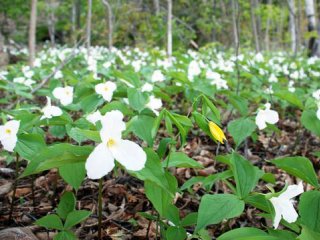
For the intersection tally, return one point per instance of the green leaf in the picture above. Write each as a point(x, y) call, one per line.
point(241, 233)
point(154, 172)
point(66, 205)
point(212, 107)
point(308, 234)
point(190, 219)
point(245, 175)
point(311, 122)
point(300, 167)
point(137, 99)
point(160, 198)
point(91, 102)
point(309, 210)
point(142, 126)
point(116, 105)
point(239, 103)
point(215, 208)
point(240, 129)
point(65, 235)
point(29, 145)
point(57, 131)
point(259, 201)
point(202, 123)
point(180, 159)
point(182, 130)
point(76, 217)
point(81, 135)
point(290, 97)
point(51, 221)
point(56, 156)
point(176, 233)
point(73, 174)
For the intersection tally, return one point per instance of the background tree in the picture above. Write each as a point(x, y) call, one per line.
point(32, 32)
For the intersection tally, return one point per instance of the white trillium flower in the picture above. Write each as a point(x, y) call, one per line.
point(154, 104)
point(266, 116)
point(64, 94)
point(316, 94)
point(147, 87)
point(193, 70)
point(106, 90)
point(101, 161)
point(8, 134)
point(50, 111)
point(94, 117)
point(283, 205)
point(157, 76)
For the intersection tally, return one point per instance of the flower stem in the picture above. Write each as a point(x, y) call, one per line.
point(100, 209)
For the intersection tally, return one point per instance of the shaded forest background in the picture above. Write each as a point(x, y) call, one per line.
point(263, 25)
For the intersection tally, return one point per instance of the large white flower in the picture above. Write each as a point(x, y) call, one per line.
point(266, 116)
point(157, 76)
point(8, 134)
point(50, 111)
point(64, 94)
point(283, 205)
point(101, 161)
point(154, 104)
point(106, 90)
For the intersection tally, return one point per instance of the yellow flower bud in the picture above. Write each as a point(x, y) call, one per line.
point(217, 132)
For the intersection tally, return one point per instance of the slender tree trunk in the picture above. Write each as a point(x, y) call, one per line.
point(73, 22)
point(292, 25)
point(254, 25)
point(51, 20)
point(110, 24)
point(156, 5)
point(235, 12)
point(267, 36)
point(88, 32)
point(310, 13)
point(32, 32)
point(169, 31)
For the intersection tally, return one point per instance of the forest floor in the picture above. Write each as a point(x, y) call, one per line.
point(123, 195)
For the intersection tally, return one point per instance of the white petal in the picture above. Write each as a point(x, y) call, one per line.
point(13, 125)
point(9, 143)
point(289, 213)
point(55, 111)
point(57, 92)
point(318, 113)
point(94, 117)
point(129, 154)
point(260, 120)
point(278, 211)
point(271, 116)
point(112, 125)
point(292, 191)
point(100, 162)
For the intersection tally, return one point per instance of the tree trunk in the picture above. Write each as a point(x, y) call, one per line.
point(51, 6)
point(156, 5)
point(267, 36)
point(32, 32)
point(254, 25)
point(88, 32)
point(235, 11)
point(169, 31)
point(110, 25)
point(292, 25)
point(310, 13)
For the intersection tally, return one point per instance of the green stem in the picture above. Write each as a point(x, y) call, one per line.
point(100, 209)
